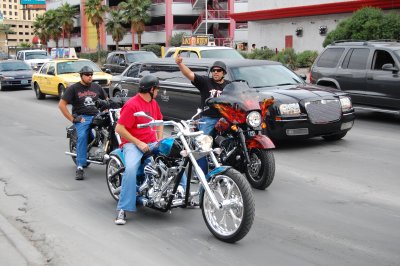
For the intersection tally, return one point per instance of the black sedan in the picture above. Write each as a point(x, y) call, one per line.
point(300, 110)
point(14, 74)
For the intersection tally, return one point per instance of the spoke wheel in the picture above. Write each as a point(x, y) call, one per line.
point(114, 183)
point(261, 171)
point(234, 220)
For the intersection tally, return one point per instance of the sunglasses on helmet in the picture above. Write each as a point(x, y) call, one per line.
point(87, 74)
point(216, 70)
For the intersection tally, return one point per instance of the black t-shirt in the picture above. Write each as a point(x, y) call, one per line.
point(83, 98)
point(208, 89)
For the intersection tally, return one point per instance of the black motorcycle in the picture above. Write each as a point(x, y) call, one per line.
point(239, 133)
point(102, 137)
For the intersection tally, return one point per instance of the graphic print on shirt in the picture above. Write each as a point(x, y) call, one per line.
point(88, 101)
point(215, 93)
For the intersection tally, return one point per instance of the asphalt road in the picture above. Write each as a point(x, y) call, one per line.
point(331, 203)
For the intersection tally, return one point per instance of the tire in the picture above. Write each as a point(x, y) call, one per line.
point(39, 94)
point(261, 172)
point(113, 165)
point(61, 91)
point(334, 137)
point(72, 147)
point(233, 222)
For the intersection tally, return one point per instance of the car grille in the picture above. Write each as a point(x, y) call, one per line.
point(323, 111)
point(101, 82)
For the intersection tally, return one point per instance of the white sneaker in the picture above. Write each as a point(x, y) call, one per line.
point(180, 192)
point(121, 218)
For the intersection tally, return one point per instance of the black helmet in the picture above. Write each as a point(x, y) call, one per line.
point(219, 64)
point(148, 82)
point(86, 69)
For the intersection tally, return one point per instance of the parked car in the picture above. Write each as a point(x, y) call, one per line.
point(367, 70)
point(34, 58)
point(14, 74)
point(299, 111)
point(117, 61)
point(54, 77)
point(204, 52)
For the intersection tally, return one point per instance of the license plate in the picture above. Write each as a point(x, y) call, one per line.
point(24, 81)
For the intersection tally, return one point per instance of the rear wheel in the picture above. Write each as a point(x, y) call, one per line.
point(114, 181)
point(39, 94)
point(61, 91)
point(261, 171)
point(233, 221)
point(335, 136)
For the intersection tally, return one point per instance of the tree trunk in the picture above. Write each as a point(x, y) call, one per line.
point(133, 37)
point(98, 42)
point(139, 37)
point(117, 46)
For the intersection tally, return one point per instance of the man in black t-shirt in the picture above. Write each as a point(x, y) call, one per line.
point(209, 88)
point(82, 96)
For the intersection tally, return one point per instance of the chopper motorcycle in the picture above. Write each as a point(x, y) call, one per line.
point(224, 195)
point(238, 133)
point(102, 138)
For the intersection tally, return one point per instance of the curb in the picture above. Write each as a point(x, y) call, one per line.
point(21, 244)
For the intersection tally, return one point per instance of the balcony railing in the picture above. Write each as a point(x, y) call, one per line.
point(212, 14)
point(161, 27)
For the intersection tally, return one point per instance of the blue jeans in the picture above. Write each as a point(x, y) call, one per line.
point(82, 131)
point(133, 156)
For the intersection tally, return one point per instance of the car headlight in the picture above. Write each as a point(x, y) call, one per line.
point(6, 78)
point(346, 104)
point(34, 65)
point(253, 119)
point(289, 109)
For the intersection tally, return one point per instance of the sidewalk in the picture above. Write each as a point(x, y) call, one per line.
point(15, 249)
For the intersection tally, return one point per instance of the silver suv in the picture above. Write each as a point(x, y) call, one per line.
point(367, 70)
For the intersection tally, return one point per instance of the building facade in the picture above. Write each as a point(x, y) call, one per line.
point(20, 17)
point(302, 25)
point(168, 17)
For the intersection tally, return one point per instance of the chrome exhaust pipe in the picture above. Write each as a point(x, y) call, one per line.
point(89, 161)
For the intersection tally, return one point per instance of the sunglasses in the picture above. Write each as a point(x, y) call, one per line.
point(88, 74)
point(216, 70)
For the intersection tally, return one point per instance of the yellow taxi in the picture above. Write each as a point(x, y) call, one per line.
point(204, 52)
point(55, 76)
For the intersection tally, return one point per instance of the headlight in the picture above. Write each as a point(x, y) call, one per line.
point(253, 119)
point(346, 104)
point(289, 109)
point(34, 65)
point(6, 78)
point(118, 113)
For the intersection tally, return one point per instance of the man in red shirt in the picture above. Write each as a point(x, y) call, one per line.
point(136, 141)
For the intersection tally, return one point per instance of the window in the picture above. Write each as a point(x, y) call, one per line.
point(115, 59)
point(193, 55)
point(381, 57)
point(170, 73)
point(44, 68)
point(133, 71)
point(356, 58)
point(330, 57)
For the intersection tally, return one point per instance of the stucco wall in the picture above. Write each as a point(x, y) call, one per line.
point(273, 4)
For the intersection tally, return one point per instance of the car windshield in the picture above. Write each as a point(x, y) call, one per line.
point(397, 52)
point(36, 55)
point(13, 66)
point(75, 66)
point(265, 76)
point(221, 53)
point(140, 56)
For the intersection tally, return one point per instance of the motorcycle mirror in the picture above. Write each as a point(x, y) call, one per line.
point(143, 114)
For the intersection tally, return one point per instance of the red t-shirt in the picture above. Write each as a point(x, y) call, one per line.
point(127, 119)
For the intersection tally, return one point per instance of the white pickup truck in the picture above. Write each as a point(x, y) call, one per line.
point(34, 58)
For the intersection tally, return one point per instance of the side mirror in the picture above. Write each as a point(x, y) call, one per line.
point(303, 76)
point(390, 67)
point(50, 72)
point(107, 70)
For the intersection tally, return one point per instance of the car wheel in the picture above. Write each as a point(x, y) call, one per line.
point(61, 91)
point(39, 94)
point(335, 136)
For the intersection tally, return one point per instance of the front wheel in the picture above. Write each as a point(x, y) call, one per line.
point(114, 180)
point(233, 220)
point(39, 94)
point(261, 171)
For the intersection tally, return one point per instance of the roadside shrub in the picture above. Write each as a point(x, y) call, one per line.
point(261, 54)
point(176, 40)
point(288, 57)
point(155, 48)
point(306, 58)
point(93, 56)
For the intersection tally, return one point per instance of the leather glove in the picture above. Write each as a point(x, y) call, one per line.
point(77, 119)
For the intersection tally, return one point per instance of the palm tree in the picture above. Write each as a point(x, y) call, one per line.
point(95, 11)
point(115, 27)
point(136, 13)
point(6, 29)
point(40, 30)
point(52, 20)
point(68, 14)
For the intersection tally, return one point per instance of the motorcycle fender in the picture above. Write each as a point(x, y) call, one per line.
point(118, 152)
point(217, 171)
point(260, 141)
